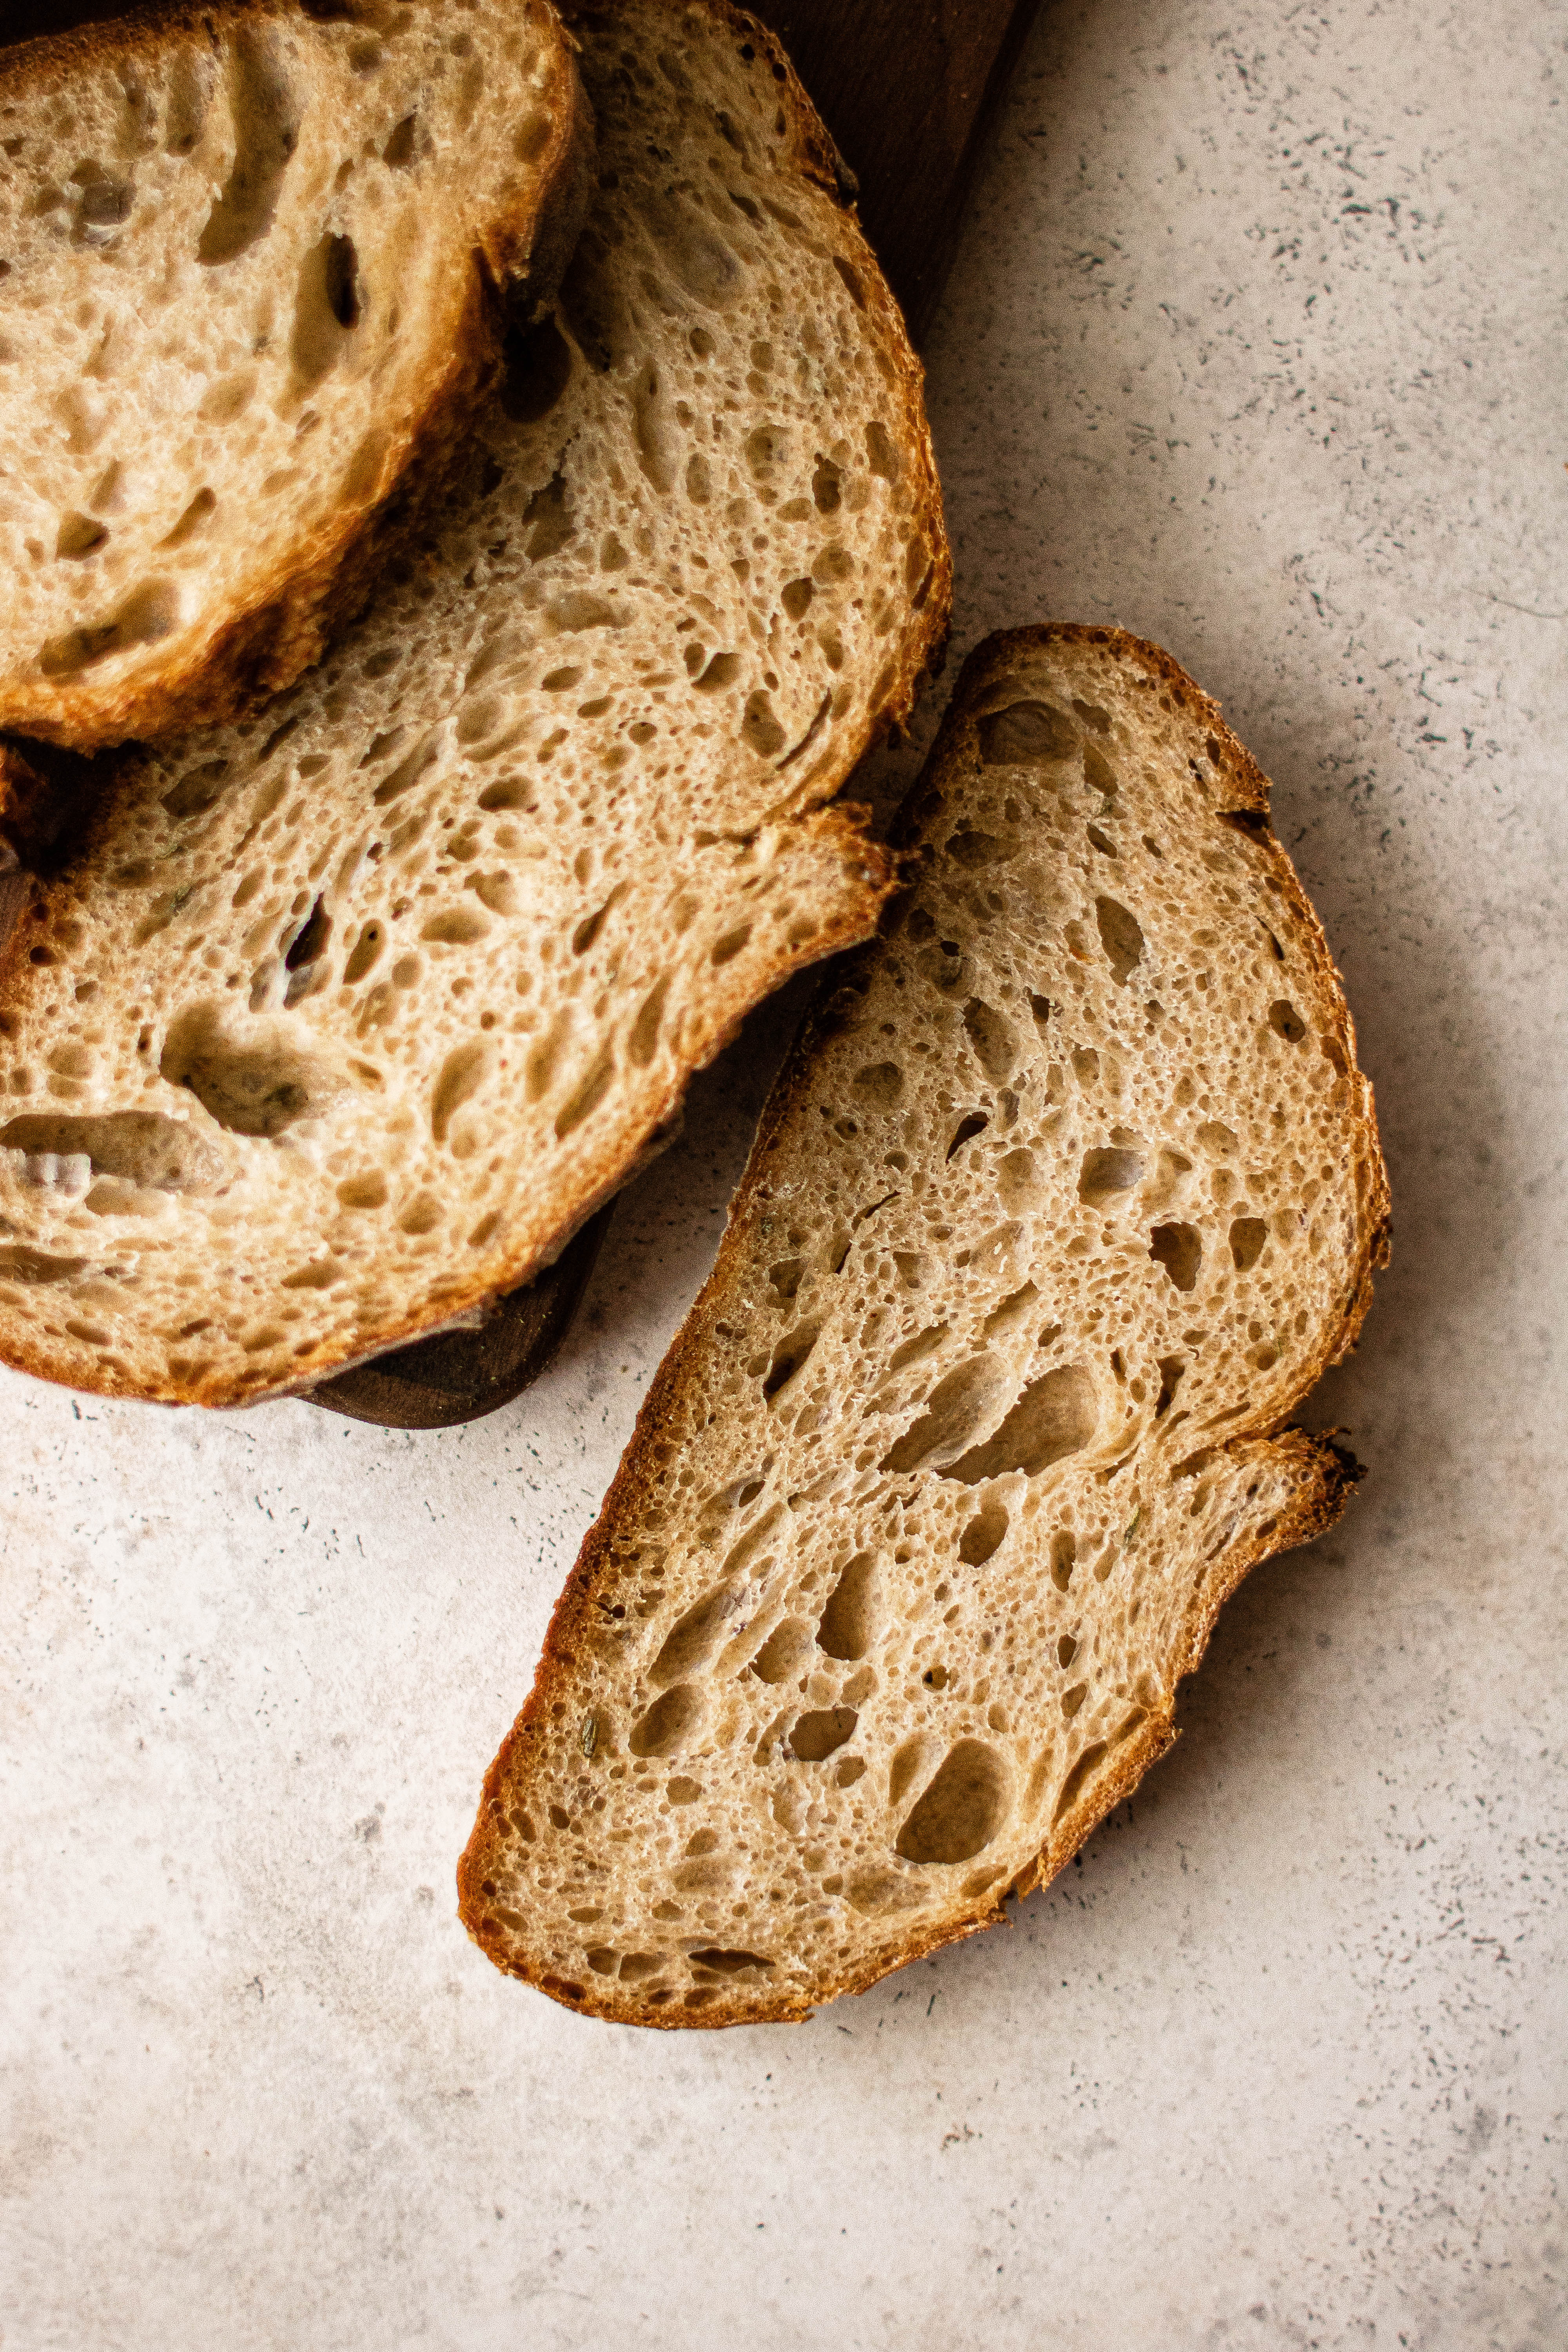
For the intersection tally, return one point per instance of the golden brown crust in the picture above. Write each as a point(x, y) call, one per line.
point(290, 618)
point(1323, 1474)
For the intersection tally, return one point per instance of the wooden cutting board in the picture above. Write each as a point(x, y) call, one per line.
point(907, 88)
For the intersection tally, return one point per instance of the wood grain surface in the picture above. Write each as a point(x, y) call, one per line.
point(907, 88)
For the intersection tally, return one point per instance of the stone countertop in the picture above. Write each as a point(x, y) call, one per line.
point(1254, 345)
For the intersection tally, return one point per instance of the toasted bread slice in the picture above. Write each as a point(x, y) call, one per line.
point(251, 260)
point(1068, 1192)
point(343, 1019)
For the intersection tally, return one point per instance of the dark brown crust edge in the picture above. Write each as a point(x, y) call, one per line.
point(291, 616)
point(922, 657)
point(1326, 1473)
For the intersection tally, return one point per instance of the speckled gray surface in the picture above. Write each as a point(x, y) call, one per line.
point(1256, 345)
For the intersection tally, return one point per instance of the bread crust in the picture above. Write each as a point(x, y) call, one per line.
point(291, 614)
point(1323, 1474)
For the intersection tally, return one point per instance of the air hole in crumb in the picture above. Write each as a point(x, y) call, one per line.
point(881, 451)
point(462, 1074)
point(786, 1277)
point(644, 1038)
point(974, 1123)
point(589, 1093)
point(780, 1656)
point(1025, 732)
point(725, 949)
point(845, 1630)
point(984, 1534)
point(693, 1638)
point(265, 132)
point(196, 792)
point(79, 535)
point(760, 729)
point(538, 363)
point(722, 671)
point(1010, 1311)
point(1064, 1555)
point(145, 617)
point(364, 953)
point(788, 1356)
point(821, 1732)
point(548, 521)
point(1105, 1173)
point(662, 1727)
point(310, 939)
point(143, 1148)
point(256, 1085)
point(326, 308)
point(957, 1405)
point(1120, 936)
point(1171, 1371)
point(914, 1351)
point(995, 1046)
point(1286, 1022)
point(1179, 1249)
point(365, 1191)
point(1248, 1235)
point(1072, 1787)
point(972, 850)
point(1055, 1416)
point(851, 276)
point(962, 1809)
point(588, 929)
point(191, 521)
point(456, 927)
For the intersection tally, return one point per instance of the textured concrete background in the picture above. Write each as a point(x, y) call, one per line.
point(1257, 346)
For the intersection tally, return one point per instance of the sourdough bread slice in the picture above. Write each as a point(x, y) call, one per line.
point(1066, 1195)
point(345, 1018)
point(251, 254)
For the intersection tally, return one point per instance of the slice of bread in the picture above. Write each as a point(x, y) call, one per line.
point(251, 254)
point(1068, 1192)
point(342, 1020)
